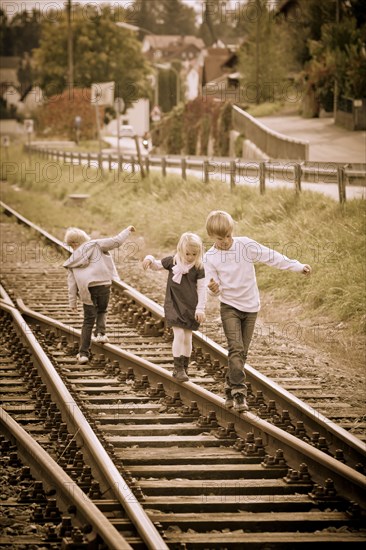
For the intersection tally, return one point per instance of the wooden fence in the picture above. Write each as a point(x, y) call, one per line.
point(233, 171)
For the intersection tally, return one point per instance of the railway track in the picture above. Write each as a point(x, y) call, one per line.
point(208, 477)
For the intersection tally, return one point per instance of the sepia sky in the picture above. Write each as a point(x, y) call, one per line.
point(12, 7)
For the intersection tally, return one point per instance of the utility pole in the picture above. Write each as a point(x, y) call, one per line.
point(257, 58)
point(335, 89)
point(70, 71)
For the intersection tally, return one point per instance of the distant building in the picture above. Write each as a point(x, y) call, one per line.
point(31, 100)
point(11, 96)
point(189, 51)
point(220, 78)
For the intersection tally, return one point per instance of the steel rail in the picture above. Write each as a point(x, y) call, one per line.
point(314, 419)
point(273, 390)
point(113, 480)
point(44, 468)
point(348, 481)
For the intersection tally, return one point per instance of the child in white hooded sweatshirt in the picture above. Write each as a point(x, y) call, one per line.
point(91, 270)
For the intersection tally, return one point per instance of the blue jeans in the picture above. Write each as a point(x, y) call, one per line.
point(96, 312)
point(238, 328)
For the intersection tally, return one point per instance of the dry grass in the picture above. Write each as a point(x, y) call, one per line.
point(310, 228)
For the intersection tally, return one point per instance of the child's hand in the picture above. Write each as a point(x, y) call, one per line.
point(200, 317)
point(74, 309)
point(306, 269)
point(146, 263)
point(131, 228)
point(214, 287)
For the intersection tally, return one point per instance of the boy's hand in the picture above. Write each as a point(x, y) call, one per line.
point(306, 269)
point(74, 309)
point(214, 287)
point(200, 317)
point(131, 228)
point(146, 263)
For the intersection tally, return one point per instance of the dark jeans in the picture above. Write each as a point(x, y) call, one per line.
point(96, 312)
point(238, 328)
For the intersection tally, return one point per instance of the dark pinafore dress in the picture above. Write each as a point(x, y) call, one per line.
point(181, 298)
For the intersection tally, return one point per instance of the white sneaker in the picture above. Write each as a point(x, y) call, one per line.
point(102, 338)
point(82, 359)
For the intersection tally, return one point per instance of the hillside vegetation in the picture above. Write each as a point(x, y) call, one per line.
point(310, 227)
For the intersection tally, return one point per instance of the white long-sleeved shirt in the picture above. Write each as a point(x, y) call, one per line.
point(234, 271)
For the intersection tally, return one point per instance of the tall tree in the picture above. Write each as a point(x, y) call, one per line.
point(102, 52)
point(222, 20)
point(263, 56)
point(26, 30)
point(163, 16)
point(328, 40)
point(20, 34)
point(6, 36)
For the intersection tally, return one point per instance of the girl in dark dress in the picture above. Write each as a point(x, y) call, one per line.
point(185, 297)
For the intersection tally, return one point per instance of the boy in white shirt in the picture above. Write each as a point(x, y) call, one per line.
point(230, 275)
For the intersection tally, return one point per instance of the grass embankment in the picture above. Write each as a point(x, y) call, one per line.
point(310, 228)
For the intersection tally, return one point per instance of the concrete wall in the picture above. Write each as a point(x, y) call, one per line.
point(271, 143)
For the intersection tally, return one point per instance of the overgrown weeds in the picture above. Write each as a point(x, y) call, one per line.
point(309, 227)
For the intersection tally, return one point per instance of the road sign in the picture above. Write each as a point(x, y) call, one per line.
point(155, 113)
point(102, 93)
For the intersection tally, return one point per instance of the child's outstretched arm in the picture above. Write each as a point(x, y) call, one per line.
point(201, 293)
point(114, 242)
point(150, 262)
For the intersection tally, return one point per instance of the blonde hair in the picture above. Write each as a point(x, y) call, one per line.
point(190, 240)
point(74, 235)
point(219, 223)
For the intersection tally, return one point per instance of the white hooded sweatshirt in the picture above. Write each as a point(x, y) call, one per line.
point(91, 264)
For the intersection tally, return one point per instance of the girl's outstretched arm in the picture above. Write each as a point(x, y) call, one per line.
point(150, 262)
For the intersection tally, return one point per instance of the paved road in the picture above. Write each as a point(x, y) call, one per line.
point(327, 142)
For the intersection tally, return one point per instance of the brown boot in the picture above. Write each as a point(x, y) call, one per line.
point(179, 373)
point(185, 361)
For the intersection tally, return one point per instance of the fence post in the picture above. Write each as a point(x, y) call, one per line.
point(163, 166)
point(109, 162)
point(147, 165)
point(71, 157)
point(297, 177)
point(341, 184)
point(79, 159)
point(232, 174)
point(262, 177)
point(206, 178)
point(184, 168)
